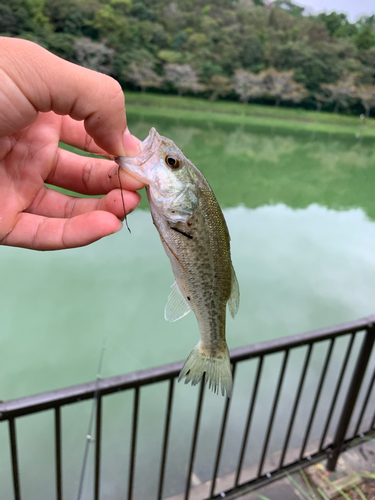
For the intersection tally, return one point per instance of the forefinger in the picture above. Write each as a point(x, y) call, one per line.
point(74, 133)
point(36, 80)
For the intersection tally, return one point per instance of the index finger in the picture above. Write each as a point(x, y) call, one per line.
point(73, 132)
point(35, 80)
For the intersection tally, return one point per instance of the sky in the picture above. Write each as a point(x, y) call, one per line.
point(354, 8)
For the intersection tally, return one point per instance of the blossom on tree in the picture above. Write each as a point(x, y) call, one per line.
point(183, 77)
point(366, 94)
point(142, 75)
point(341, 91)
point(282, 86)
point(248, 85)
point(94, 55)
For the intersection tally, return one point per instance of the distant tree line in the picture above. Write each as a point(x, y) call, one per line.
point(232, 49)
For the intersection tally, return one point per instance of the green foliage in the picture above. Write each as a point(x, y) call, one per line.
point(337, 24)
point(143, 12)
point(17, 16)
point(9, 19)
point(365, 38)
point(61, 44)
point(36, 10)
point(216, 38)
point(251, 52)
point(66, 17)
point(169, 56)
point(292, 8)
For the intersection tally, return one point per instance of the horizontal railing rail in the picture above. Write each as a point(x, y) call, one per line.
point(354, 375)
point(81, 392)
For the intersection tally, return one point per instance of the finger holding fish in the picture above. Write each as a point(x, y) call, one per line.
point(88, 175)
point(51, 203)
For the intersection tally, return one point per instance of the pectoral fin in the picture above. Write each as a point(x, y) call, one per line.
point(234, 299)
point(177, 307)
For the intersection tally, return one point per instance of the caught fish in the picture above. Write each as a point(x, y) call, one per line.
point(195, 237)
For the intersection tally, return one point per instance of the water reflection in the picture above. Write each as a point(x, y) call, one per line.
point(259, 148)
point(257, 169)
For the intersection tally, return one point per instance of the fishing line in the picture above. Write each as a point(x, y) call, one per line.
point(89, 438)
point(122, 197)
point(111, 157)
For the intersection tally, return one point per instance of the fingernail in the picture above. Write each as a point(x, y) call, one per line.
point(121, 225)
point(138, 202)
point(130, 143)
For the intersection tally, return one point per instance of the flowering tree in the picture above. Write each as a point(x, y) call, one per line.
point(219, 86)
point(94, 55)
point(281, 86)
point(341, 91)
point(248, 85)
point(142, 75)
point(366, 94)
point(183, 77)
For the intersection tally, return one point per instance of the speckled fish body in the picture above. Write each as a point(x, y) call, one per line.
point(195, 237)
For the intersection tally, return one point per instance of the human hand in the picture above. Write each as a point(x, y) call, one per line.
point(44, 100)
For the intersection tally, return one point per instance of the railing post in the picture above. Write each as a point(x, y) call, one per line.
point(351, 397)
point(14, 457)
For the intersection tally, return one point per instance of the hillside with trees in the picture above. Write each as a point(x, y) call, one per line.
point(246, 50)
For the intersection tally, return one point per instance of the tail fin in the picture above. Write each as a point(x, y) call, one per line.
point(218, 371)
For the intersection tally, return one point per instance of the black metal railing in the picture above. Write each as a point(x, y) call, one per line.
point(300, 399)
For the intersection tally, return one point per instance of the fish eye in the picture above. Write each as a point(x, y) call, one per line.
point(172, 161)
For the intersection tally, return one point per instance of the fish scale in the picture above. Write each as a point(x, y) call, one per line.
point(205, 280)
point(195, 237)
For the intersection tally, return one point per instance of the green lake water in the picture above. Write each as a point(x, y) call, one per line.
point(301, 213)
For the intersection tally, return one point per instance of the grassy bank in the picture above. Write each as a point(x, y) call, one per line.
point(289, 119)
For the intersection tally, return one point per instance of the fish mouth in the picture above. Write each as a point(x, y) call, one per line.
point(148, 148)
point(149, 145)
